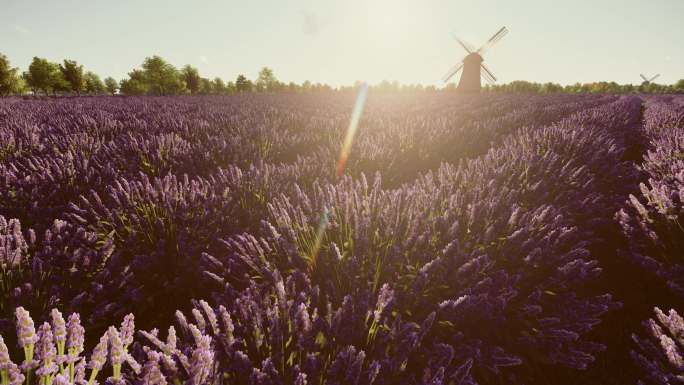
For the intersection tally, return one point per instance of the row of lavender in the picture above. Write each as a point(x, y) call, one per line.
point(127, 239)
point(53, 152)
point(653, 222)
point(457, 277)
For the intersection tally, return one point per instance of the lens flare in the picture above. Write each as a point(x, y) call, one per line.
point(344, 155)
point(318, 241)
point(351, 131)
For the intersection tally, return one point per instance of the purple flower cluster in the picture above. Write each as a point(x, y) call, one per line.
point(463, 245)
point(653, 219)
point(453, 248)
point(659, 349)
point(42, 352)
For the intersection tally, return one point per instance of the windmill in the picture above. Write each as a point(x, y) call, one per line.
point(473, 66)
point(648, 81)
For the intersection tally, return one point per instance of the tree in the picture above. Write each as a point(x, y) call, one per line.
point(73, 75)
point(191, 77)
point(10, 81)
point(242, 84)
point(206, 87)
point(43, 75)
point(218, 86)
point(59, 83)
point(136, 84)
point(266, 81)
point(161, 77)
point(93, 84)
point(679, 86)
point(111, 85)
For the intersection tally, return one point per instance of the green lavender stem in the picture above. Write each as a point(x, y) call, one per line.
point(93, 374)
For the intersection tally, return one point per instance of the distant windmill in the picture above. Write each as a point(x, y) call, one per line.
point(472, 64)
point(648, 81)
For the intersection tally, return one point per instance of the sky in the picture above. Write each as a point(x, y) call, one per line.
point(341, 41)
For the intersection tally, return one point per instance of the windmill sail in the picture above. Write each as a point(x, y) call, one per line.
point(452, 72)
point(487, 74)
point(465, 45)
point(492, 40)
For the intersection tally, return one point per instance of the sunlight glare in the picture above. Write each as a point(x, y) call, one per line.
point(351, 131)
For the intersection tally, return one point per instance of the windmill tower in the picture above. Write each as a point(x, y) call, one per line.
point(472, 65)
point(648, 81)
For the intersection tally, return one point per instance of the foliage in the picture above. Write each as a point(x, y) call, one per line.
point(161, 77)
point(596, 87)
point(242, 84)
point(10, 80)
point(266, 81)
point(73, 74)
point(111, 85)
point(45, 76)
point(93, 84)
point(136, 84)
point(191, 78)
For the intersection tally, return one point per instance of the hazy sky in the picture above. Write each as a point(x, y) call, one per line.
point(340, 41)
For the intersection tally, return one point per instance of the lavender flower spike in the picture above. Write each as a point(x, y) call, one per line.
point(75, 338)
point(384, 298)
point(26, 331)
point(59, 333)
point(98, 358)
point(4, 355)
point(9, 371)
point(74, 342)
point(27, 338)
point(46, 353)
point(202, 359)
point(152, 374)
point(15, 375)
point(117, 354)
point(127, 330)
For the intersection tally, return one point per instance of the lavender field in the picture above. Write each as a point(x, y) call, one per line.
point(466, 239)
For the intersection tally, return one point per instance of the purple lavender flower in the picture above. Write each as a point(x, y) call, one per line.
point(26, 332)
point(46, 352)
point(16, 377)
point(61, 380)
point(127, 330)
point(199, 319)
point(152, 374)
point(211, 316)
point(202, 358)
point(99, 356)
point(9, 370)
point(384, 298)
point(660, 353)
point(117, 354)
point(75, 338)
point(60, 335)
point(80, 373)
point(4, 355)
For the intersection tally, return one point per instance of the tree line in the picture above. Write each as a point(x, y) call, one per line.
point(158, 77)
point(522, 86)
point(154, 77)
